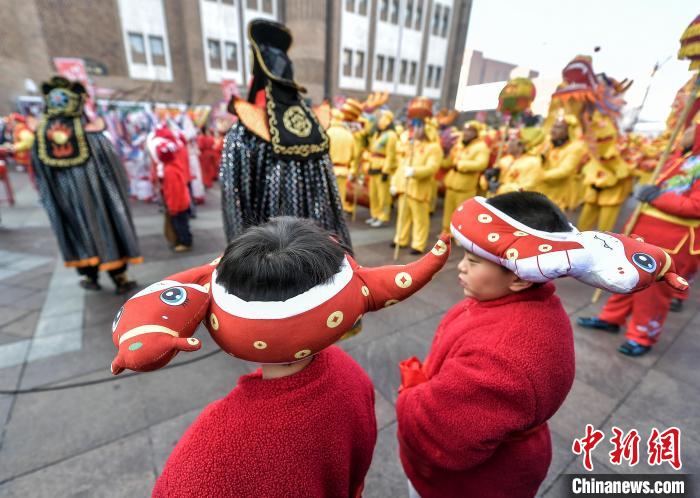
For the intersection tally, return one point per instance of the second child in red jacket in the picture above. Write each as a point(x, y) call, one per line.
point(176, 195)
point(472, 420)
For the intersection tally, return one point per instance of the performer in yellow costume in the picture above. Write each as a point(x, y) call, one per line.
point(343, 146)
point(470, 159)
point(382, 164)
point(605, 178)
point(525, 173)
point(419, 166)
point(563, 162)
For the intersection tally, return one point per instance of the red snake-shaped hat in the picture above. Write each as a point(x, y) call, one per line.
point(159, 321)
point(609, 261)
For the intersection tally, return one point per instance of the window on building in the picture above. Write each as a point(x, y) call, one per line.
point(157, 50)
point(394, 11)
point(350, 5)
point(227, 2)
point(267, 6)
point(438, 77)
point(363, 8)
point(384, 10)
point(404, 71)
point(252, 4)
point(347, 62)
point(412, 73)
point(379, 73)
point(437, 17)
point(214, 48)
point(408, 19)
point(429, 76)
point(445, 21)
point(390, 69)
point(138, 48)
point(359, 64)
point(231, 53)
point(419, 14)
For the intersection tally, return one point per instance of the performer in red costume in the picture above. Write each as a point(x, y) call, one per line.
point(172, 172)
point(281, 295)
point(208, 157)
point(22, 141)
point(670, 220)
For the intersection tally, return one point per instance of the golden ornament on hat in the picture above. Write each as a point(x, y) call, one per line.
point(439, 248)
point(214, 321)
point(403, 280)
point(512, 253)
point(302, 354)
point(334, 319)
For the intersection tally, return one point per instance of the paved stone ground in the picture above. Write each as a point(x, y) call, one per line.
point(111, 439)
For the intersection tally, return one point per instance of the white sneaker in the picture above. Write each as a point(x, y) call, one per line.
point(377, 224)
point(369, 221)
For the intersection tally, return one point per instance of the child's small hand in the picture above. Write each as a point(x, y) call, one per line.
point(411, 373)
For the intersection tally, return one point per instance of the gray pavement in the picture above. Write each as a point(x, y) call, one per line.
point(112, 439)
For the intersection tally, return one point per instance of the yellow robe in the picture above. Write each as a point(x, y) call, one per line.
point(606, 178)
point(382, 164)
point(525, 173)
point(462, 180)
point(343, 156)
point(560, 173)
point(416, 223)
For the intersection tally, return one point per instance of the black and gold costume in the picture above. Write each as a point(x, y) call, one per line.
point(275, 159)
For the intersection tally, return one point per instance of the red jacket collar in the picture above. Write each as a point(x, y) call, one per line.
point(539, 293)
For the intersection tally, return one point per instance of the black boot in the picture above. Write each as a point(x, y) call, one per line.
point(90, 275)
point(593, 322)
point(90, 284)
point(121, 281)
point(676, 305)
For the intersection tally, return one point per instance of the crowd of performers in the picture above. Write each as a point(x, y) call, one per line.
point(576, 155)
point(472, 417)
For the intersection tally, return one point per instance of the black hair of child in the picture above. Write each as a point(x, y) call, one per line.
point(278, 260)
point(532, 209)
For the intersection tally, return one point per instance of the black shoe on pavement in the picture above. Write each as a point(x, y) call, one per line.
point(416, 251)
point(90, 284)
point(124, 287)
point(593, 322)
point(633, 348)
point(393, 246)
point(676, 305)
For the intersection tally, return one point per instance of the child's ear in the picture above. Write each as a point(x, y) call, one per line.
point(519, 284)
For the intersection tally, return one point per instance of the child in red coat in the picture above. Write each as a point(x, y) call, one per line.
point(282, 293)
point(176, 195)
point(472, 420)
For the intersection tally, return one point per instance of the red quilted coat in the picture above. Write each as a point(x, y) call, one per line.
point(310, 434)
point(496, 372)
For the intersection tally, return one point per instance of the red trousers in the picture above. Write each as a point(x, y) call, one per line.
point(649, 307)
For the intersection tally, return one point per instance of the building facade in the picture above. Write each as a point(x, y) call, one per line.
point(182, 50)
